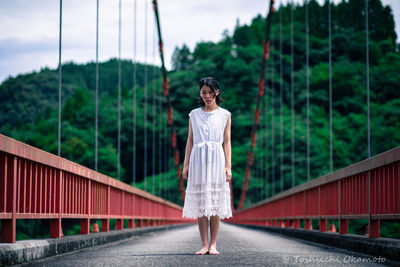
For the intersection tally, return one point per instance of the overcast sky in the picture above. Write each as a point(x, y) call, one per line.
point(29, 29)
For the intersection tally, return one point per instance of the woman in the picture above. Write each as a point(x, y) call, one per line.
point(207, 165)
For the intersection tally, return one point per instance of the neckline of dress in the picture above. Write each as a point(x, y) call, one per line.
point(210, 112)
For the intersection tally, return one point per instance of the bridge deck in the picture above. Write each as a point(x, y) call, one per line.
point(238, 246)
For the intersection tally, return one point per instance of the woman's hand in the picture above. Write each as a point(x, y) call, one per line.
point(185, 172)
point(228, 173)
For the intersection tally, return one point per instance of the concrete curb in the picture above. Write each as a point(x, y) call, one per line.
point(30, 250)
point(383, 247)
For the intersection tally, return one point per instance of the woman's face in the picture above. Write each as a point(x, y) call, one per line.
point(208, 95)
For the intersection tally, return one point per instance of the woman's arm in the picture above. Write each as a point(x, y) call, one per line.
point(227, 149)
point(189, 146)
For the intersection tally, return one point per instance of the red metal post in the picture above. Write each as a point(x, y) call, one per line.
point(373, 225)
point(374, 228)
point(344, 226)
point(120, 222)
point(55, 224)
point(296, 223)
point(105, 223)
point(307, 224)
point(85, 223)
point(322, 225)
point(8, 226)
point(131, 223)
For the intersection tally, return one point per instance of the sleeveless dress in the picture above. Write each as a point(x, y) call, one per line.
point(207, 191)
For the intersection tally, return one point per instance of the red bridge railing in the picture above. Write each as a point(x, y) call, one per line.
point(365, 190)
point(35, 184)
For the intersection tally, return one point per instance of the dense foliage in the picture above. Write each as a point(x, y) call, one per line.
point(28, 103)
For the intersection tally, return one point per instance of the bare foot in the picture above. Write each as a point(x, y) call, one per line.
point(213, 251)
point(202, 251)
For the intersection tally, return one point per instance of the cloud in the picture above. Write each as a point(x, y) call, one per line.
point(12, 47)
point(30, 29)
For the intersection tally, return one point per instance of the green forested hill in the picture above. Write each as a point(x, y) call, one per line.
point(235, 62)
point(28, 103)
point(24, 97)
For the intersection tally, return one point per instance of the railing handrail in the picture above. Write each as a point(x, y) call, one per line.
point(17, 148)
point(374, 162)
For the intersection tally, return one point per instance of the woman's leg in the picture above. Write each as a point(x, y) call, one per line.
point(214, 228)
point(203, 228)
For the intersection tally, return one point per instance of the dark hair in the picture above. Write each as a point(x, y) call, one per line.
point(213, 85)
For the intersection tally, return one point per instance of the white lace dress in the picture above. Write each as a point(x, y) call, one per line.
point(207, 191)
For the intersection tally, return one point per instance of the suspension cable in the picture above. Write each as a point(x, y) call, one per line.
point(261, 158)
point(134, 96)
point(281, 90)
point(173, 133)
point(166, 156)
point(97, 88)
point(154, 113)
point(160, 145)
point(308, 92)
point(257, 162)
point(266, 143)
point(145, 99)
point(292, 88)
point(261, 82)
point(59, 82)
point(330, 88)
point(273, 113)
point(256, 165)
point(119, 92)
point(367, 75)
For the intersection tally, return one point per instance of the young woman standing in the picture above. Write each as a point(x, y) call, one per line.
point(207, 165)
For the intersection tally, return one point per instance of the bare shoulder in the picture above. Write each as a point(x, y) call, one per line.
point(225, 111)
point(193, 111)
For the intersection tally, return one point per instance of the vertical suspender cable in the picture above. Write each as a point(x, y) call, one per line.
point(266, 144)
point(160, 144)
point(97, 88)
point(330, 88)
point(59, 82)
point(260, 160)
point(292, 87)
point(97, 85)
point(253, 196)
point(119, 91)
point(308, 92)
point(166, 158)
point(256, 169)
point(262, 167)
point(261, 85)
point(272, 114)
point(367, 75)
point(134, 97)
point(145, 100)
point(281, 90)
point(261, 157)
point(254, 175)
point(154, 113)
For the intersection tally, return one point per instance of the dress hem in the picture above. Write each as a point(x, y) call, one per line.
point(226, 216)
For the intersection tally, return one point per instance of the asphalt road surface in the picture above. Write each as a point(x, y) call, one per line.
point(238, 246)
